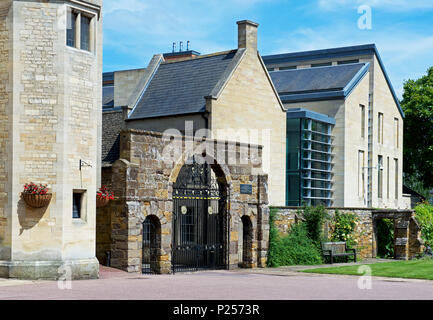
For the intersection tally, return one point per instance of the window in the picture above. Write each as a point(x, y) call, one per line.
point(362, 110)
point(270, 69)
point(380, 128)
point(71, 28)
point(396, 132)
point(85, 33)
point(379, 176)
point(79, 30)
point(323, 64)
point(387, 177)
point(78, 204)
point(396, 178)
point(288, 68)
point(361, 181)
point(348, 61)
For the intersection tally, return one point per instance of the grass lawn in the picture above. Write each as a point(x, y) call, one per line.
point(413, 269)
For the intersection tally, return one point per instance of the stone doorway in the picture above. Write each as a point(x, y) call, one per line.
point(247, 242)
point(200, 220)
point(151, 248)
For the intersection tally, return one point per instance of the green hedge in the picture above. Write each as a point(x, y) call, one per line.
point(424, 216)
point(295, 248)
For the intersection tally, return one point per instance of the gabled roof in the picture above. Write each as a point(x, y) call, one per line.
point(319, 83)
point(350, 51)
point(180, 87)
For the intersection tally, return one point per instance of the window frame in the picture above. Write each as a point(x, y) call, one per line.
point(78, 32)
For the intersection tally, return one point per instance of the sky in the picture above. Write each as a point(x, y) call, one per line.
point(135, 30)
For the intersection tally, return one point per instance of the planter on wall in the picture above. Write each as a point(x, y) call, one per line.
point(100, 202)
point(36, 200)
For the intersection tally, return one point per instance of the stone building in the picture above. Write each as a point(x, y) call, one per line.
point(225, 95)
point(358, 122)
point(50, 122)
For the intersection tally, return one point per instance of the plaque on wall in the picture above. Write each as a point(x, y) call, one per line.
point(246, 188)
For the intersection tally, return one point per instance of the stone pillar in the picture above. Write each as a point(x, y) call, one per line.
point(401, 237)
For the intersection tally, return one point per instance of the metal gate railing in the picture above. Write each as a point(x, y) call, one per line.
point(200, 222)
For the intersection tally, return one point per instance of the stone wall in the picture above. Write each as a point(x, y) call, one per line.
point(53, 122)
point(142, 180)
point(407, 232)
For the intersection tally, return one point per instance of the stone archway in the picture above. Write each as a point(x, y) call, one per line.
point(151, 245)
point(247, 242)
point(201, 222)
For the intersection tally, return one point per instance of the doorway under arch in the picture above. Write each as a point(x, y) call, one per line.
point(151, 249)
point(200, 220)
point(247, 242)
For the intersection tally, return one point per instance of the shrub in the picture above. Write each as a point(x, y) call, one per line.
point(343, 228)
point(424, 216)
point(385, 238)
point(314, 220)
point(293, 249)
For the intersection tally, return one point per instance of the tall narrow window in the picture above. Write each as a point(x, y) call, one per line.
point(361, 182)
point(396, 178)
point(71, 28)
point(387, 177)
point(380, 128)
point(379, 176)
point(396, 132)
point(362, 110)
point(85, 33)
point(76, 205)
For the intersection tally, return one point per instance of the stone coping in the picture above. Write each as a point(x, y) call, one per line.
point(373, 210)
point(182, 137)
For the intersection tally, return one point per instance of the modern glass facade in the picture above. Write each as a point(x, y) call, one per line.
point(309, 166)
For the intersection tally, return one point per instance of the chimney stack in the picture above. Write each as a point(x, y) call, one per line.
point(247, 34)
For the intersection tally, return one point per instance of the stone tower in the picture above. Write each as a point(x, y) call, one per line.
point(50, 130)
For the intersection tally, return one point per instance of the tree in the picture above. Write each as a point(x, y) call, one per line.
point(417, 105)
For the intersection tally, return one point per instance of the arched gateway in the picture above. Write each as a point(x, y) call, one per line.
point(200, 219)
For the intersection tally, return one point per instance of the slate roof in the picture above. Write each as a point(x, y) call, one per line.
point(108, 97)
point(350, 51)
point(180, 87)
point(314, 79)
point(112, 122)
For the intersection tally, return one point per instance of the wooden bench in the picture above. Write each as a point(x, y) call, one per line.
point(337, 249)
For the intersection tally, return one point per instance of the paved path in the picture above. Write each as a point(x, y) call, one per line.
point(220, 285)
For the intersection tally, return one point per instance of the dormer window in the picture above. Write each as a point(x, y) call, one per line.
point(79, 30)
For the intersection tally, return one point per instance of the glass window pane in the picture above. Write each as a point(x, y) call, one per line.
point(85, 33)
point(71, 28)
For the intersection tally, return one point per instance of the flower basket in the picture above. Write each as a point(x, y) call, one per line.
point(100, 202)
point(103, 196)
point(36, 196)
point(36, 200)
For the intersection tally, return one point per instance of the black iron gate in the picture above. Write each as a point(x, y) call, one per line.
point(200, 222)
point(151, 245)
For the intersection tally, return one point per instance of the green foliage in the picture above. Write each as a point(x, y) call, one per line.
point(385, 238)
point(343, 228)
point(417, 105)
point(295, 248)
point(314, 220)
point(424, 216)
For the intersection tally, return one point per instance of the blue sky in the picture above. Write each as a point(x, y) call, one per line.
point(402, 30)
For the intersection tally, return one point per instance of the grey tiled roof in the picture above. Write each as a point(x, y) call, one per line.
point(317, 79)
point(108, 96)
point(112, 122)
point(180, 87)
